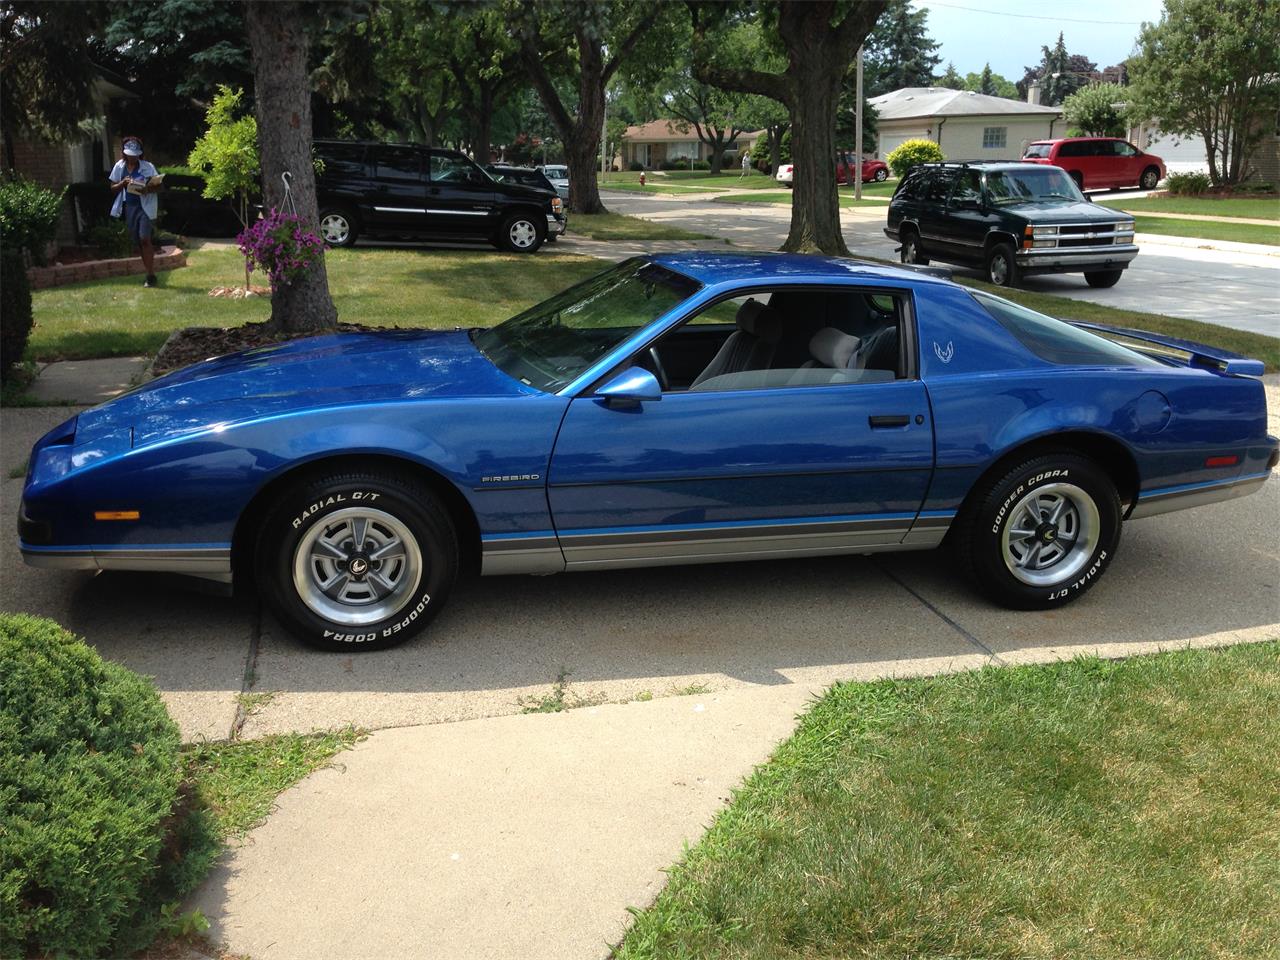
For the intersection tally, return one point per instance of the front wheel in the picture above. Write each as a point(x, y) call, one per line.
point(356, 561)
point(910, 251)
point(338, 227)
point(1103, 278)
point(1043, 533)
point(1002, 267)
point(522, 233)
point(1149, 179)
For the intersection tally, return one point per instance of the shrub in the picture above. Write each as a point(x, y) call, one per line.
point(28, 215)
point(1187, 184)
point(15, 310)
point(89, 774)
point(703, 164)
point(110, 238)
point(1092, 110)
point(911, 153)
point(635, 165)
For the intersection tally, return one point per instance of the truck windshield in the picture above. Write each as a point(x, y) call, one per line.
point(1032, 185)
point(554, 342)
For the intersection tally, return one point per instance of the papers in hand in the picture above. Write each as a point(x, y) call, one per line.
point(140, 187)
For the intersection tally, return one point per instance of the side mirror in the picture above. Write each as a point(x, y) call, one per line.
point(1087, 198)
point(633, 385)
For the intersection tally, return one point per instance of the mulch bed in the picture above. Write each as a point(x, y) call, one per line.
point(193, 344)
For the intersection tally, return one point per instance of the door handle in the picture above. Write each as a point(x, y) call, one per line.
point(889, 420)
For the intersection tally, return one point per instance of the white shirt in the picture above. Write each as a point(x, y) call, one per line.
point(150, 202)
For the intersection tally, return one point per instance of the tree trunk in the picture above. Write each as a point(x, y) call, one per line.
point(282, 91)
point(717, 156)
point(775, 150)
point(815, 205)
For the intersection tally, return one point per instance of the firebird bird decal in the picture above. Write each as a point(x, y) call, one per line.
point(944, 355)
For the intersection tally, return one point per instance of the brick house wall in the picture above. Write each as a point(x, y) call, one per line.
point(50, 165)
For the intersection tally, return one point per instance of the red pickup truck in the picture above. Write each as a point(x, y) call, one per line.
point(1095, 162)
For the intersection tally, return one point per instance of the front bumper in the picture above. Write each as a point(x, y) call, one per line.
point(1076, 259)
point(556, 226)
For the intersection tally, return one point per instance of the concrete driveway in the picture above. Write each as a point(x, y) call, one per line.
point(1238, 288)
point(1208, 575)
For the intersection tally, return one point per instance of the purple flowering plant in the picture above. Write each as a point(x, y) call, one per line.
point(281, 245)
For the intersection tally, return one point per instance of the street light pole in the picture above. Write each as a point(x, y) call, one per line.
point(857, 133)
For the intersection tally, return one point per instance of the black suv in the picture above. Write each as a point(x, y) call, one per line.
point(407, 190)
point(1013, 219)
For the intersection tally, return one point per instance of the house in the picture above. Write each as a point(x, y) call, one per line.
point(966, 125)
point(661, 141)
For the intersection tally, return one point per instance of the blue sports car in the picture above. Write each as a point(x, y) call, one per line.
point(673, 409)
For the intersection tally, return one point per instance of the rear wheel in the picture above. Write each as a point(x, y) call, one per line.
point(522, 233)
point(1002, 268)
point(356, 561)
point(1103, 278)
point(1150, 178)
point(338, 227)
point(881, 176)
point(1043, 533)
point(911, 252)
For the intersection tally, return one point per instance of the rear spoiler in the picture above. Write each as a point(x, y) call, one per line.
point(1202, 355)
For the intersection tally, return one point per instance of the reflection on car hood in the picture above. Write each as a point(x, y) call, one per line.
point(1058, 211)
point(327, 371)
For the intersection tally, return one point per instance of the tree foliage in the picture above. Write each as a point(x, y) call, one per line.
point(1211, 68)
point(1060, 73)
point(990, 83)
point(1093, 111)
point(226, 155)
point(899, 51)
point(950, 78)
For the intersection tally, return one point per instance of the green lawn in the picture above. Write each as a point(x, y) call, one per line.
point(1267, 208)
point(660, 187)
point(1209, 230)
point(783, 198)
point(617, 226)
point(701, 179)
point(380, 287)
point(1109, 810)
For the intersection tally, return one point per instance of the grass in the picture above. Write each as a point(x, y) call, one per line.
point(381, 287)
point(558, 699)
point(1210, 230)
point(784, 198)
point(617, 226)
point(1093, 809)
point(1255, 345)
point(659, 187)
point(1258, 208)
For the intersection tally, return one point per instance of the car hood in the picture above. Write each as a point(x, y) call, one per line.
point(317, 372)
point(1056, 212)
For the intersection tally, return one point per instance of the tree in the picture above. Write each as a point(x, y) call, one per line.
point(485, 64)
point(898, 52)
point(820, 40)
point(226, 155)
point(951, 79)
point(279, 43)
point(1211, 68)
point(47, 73)
point(714, 115)
point(1060, 74)
point(602, 36)
point(990, 83)
point(1092, 111)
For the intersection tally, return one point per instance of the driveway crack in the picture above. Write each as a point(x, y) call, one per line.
point(995, 657)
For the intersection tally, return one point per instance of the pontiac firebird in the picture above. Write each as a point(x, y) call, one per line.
point(673, 409)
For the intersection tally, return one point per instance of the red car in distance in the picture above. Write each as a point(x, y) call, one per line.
point(876, 170)
point(1095, 162)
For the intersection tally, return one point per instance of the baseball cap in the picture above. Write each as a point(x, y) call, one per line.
point(133, 148)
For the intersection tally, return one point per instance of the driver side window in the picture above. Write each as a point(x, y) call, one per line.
point(784, 338)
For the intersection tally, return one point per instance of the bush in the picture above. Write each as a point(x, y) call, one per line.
point(1187, 184)
point(89, 774)
point(911, 153)
point(110, 239)
point(1091, 110)
point(15, 310)
point(28, 216)
point(702, 164)
point(635, 165)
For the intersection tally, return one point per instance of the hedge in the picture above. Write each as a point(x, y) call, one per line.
point(911, 153)
point(89, 776)
point(28, 216)
point(15, 310)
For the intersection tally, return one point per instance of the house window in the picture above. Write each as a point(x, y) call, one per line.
point(682, 150)
point(994, 138)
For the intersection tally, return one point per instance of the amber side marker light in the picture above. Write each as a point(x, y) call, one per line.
point(115, 514)
point(1222, 461)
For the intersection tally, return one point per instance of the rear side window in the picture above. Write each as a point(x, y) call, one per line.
point(343, 159)
point(399, 163)
point(909, 188)
point(1057, 342)
point(939, 185)
point(1038, 150)
point(1077, 148)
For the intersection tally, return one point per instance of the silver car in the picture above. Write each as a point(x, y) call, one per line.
point(558, 174)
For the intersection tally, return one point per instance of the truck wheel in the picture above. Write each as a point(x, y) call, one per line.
point(338, 227)
point(1103, 278)
point(356, 560)
point(911, 252)
point(522, 233)
point(1042, 534)
point(1002, 268)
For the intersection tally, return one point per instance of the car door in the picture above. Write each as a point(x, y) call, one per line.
point(967, 218)
point(933, 212)
point(399, 190)
point(706, 474)
point(1128, 163)
point(461, 198)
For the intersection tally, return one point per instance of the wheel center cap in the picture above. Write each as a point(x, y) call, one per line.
point(358, 566)
point(1047, 533)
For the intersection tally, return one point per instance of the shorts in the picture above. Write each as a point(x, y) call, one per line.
point(138, 222)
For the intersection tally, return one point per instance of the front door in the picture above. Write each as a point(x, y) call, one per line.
point(968, 219)
point(749, 470)
point(460, 197)
point(400, 193)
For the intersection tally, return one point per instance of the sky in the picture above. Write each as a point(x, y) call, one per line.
point(1010, 33)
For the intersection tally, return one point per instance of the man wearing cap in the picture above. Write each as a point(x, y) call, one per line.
point(138, 209)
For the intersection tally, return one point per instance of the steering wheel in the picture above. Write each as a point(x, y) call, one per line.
point(659, 370)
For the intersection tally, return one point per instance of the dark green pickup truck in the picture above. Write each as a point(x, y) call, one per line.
point(1013, 219)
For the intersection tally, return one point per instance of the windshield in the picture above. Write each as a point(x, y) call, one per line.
point(551, 344)
point(1035, 184)
point(560, 173)
point(1039, 150)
